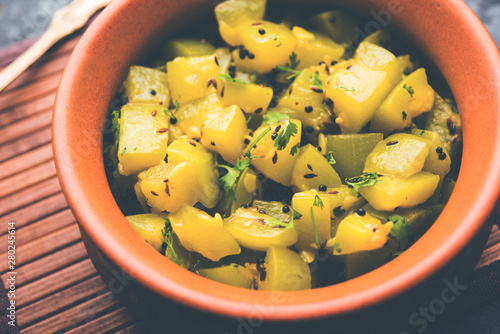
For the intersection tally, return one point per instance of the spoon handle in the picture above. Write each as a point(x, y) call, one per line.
point(66, 20)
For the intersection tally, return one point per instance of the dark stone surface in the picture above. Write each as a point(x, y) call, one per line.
point(24, 19)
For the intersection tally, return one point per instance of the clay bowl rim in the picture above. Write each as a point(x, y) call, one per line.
point(125, 248)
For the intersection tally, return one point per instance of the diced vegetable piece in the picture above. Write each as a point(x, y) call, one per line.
point(224, 133)
point(186, 47)
point(312, 170)
point(359, 86)
point(415, 216)
point(247, 188)
point(174, 132)
point(438, 161)
point(412, 97)
point(399, 155)
point(343, 202)
point(393, 192)
point(257, 231)
point(273, 163)
point(146, 85)
point(350, 152)
point(407, 65)
point(149, 226)
point(214, 243)
point(274, 209)
point(193, 115)
point(285, 270)
point(188, 78)
point(232, 274)
point(360, 233)
point(382, 38)
point(360, 263)
point(185, 150)
point(314, 48)
point(224, 58)
point(303, 203)
point(446, 122)
point(251, 98)
point(338, 24)
point(231, 13)
point(263, 51)
point(304, 101)
point(143, 138)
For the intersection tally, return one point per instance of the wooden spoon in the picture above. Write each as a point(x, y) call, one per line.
point(65, 21)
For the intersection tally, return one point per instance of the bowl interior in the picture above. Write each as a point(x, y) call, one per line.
point(447, 31)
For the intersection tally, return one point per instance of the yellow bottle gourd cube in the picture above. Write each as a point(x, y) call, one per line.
point(149, 226)
point(251, 98)
point(360, 233)
point(359, 86)
point(186, 47)
point(146, 85)
point(188, 78)
point(315, 48)
point(438, 160)
point(304, 101)
point(393, 192)
point(399, 155)
point(312, 170)
point(214, 242)
point(382, 38)
point(263, 52)
point(143, 138)
point(192, 116)
point(224, 133)
point(303, 203)
point(231, 13)
point(256, 231)
point(285, 270)
point(232, 274)
point(341, 198)
point(203, 161)
point(412, 97)
point(273, 163)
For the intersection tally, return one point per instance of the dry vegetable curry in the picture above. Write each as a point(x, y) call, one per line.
point(286, 158)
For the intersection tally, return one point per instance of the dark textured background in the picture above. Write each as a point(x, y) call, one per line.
point(25, 19)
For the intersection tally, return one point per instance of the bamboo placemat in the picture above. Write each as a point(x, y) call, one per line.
point(57, 287)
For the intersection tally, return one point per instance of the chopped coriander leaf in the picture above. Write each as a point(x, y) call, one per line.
point(249, 119)
point(170, 113)
point(272, 117)
point(290, 67)
point(316, 237)
point(316, 81)
point(177, 106)
point(225, 76)
point(409, 89)
point(123, 151)
point(256, 140)
point(400, 231)
point(329, 157)
point(289, 130)
point(423, 131)
point(338, 211)
point(318, 202)
point(336, 246)
point(168, 238)
point(293, 60)
point(363, 180)
point(294, 149)
point(295, 214)
point(340, 85)
point(404, 116)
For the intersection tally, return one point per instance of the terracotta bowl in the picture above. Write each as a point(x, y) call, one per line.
point(173, 299)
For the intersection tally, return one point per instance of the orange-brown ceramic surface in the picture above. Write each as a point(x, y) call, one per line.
point(446, 30)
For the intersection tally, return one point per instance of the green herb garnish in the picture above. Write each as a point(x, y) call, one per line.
point(318, 202)
point(404, 115)
point(363, 180)
point(225, 76)
point(233, 173)
point(294, 149)
point(290, 67)
point(340, 85)
point(171, 113)
point(272, 117)
point(316, 237)
point(423, 131)
point(123, 151)
point(409, 89)
point(169, 239)
point(336, 246)
point(329, 157)
point(295, 214)
point(316, 81)
point(289, 130)
point(115, 127)
point(400, 231)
